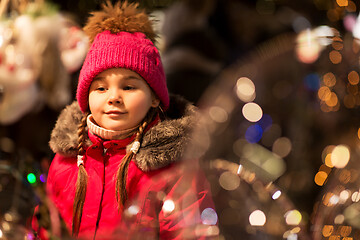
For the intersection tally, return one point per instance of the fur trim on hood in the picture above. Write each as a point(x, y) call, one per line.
point(163, 144)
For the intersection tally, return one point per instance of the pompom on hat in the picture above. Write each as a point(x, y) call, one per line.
point(122, 37)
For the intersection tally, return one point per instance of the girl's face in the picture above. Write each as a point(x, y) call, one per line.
point(119, 99)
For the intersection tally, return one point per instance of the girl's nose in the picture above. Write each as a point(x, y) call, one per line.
point(115, 97)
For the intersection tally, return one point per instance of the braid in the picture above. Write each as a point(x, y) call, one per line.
point(82, 179)
point(121, 175)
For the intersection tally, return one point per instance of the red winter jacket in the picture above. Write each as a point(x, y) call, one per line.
point(166, 200)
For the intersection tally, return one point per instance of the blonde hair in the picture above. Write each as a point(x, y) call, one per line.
point(121, 175)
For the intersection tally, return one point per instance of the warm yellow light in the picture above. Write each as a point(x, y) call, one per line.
point(293, 217)
point(328, 161)
point(342, 3)
point(333, 100)
point(345, 231)
point(252, 112)
point(329, 199)
point(308, 49)
point(320, 178)
point(324, 93)
point(340, 156)
point(327, 230)
point(355, 197)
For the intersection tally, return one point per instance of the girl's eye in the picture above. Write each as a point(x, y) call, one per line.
point(101, 89)
point(129, 88)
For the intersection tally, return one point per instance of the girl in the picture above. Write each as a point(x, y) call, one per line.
point(117, 157)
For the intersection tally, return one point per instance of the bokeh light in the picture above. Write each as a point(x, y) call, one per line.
point(31, 178)
point(253, 133)
point(340, 156)
point(353, 77)
point(308, 49)
point(293, 217)
point(168, 206)
point(282, 146)
point(209, 216)
point(252, 112)
point(276, 195)
point(229, 181)
point(257, 218)
point(218, 114)
point(335, 57)
point(245, 89)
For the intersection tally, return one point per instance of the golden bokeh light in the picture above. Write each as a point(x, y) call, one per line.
point(328, 161)
point(355, 197)
point(345, 231)
point(308, 49)
point(327, 150)
point(337, 45)
point(340, 156)
point(293, 217)
point(320, 178)
point(327, 199)
point(324, 93)
point(333, 100)
point(327, 230)
point(335, 57)
point(329, 79)
point(353, 77)
point(342, 3)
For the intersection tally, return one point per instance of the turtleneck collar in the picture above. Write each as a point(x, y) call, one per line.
point(108, 134)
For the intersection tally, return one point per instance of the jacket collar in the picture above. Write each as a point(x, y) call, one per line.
point(162, 144)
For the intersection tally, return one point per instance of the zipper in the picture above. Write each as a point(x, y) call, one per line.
point(102, 196)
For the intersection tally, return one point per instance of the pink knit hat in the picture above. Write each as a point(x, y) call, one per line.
point(123, 50)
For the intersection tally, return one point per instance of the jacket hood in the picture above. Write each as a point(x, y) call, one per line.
point(162, 144)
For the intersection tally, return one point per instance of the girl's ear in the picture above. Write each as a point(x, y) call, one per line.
point(155, 102)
